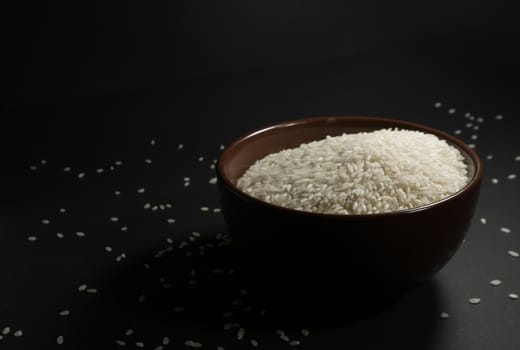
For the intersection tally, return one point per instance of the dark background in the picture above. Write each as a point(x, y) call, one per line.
point(59, 49)
point(90, 83)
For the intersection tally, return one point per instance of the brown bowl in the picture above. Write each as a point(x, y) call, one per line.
point(294, 255)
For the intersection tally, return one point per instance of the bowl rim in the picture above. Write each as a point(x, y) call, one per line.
point(452, 140)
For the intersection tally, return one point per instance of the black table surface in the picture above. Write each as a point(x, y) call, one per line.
point(189, 291)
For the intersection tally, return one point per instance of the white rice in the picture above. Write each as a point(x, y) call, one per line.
point(363, 173)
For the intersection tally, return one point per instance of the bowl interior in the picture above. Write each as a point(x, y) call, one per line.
point(241, 154)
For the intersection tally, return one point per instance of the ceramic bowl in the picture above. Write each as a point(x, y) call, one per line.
point(295, 255)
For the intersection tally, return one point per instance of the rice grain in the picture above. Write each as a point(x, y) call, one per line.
point(363, 173)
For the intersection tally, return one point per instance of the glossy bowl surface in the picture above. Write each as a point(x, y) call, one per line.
point(292, 255)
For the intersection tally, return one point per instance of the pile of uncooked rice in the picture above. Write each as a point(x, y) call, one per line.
point(363, 173)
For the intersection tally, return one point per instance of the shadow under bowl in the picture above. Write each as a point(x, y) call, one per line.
point(294, 256)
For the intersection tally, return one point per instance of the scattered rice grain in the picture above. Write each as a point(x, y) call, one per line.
point(193, 344)
point(240, 333)
point(513, 253)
